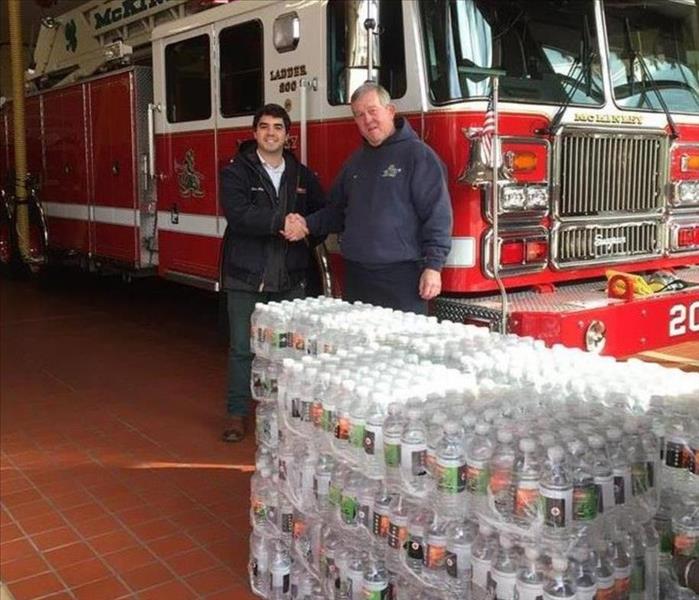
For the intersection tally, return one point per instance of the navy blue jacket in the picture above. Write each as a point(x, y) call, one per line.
point(253, 250)
point(391, 204)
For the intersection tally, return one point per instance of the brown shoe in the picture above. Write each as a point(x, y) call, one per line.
point(235, 431)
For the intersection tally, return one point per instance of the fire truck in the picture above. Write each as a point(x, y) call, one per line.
point(580, 226)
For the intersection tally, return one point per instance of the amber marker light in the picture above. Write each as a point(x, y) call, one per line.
point(522, 162)
point(689, 162)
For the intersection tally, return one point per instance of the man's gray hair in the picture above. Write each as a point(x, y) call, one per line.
point(371, 86)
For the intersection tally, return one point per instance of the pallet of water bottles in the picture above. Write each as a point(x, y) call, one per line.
point(401, 457)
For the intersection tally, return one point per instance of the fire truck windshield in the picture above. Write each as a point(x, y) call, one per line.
point(653, 50)
point(547, 48)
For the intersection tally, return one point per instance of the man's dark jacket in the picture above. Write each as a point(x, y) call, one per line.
point(254, 252)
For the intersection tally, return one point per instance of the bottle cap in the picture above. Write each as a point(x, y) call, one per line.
point(595, 441)
point(482, 428)
point(555, 454)
point(451, 428)
point(559, 563)
point(614, 434)
point(504, 436)
point(527, 445)
point(531, 552)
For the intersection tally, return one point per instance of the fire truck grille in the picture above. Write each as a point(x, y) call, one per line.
point(607, 174)
point(585, 244)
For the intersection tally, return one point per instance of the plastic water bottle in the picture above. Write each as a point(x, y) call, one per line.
point(651, 562)
point(435, 429)
point(604, 572)
point(460, 538)
point(584, 491)
point(620, 467)
point(583, 569)
point(621, 561)
point(398, 517)
point(373, 434)
point(478, 454)
point(418, 523)
point(504, 569)
point(321, 482)
point(530, 576)
point(501, 468)
point(602, 474)
point(450, 471)
point(279, 573)
point(435, 552)
point(392, 431)
point(375, 582)
point(414, 452)
point(482, 554)
point(558, 584)
point(556, 491)
point(526, 473)
point(258, 564)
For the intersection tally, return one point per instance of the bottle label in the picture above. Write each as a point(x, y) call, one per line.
point(584, 502)
point(477, 477)
point(605, 589)
point(279, 580)
point(605, 493)
point(391, 452)
point(342, 428)
point(298, 341)
point(296, 408)
point(328, 419)
point(451, 562)
point(481, 568)
point(413, 459)
point(287, 522)
point(306, 411)
point(504, 584)
point(622, 485)
point(557, 507)
point(526, 500)
point(259, 511)
point(299, 529)
point(364, 515)
point(557, 597)
point(451, 476)
point(435, 555)
point(348, 509)
point(676, 455)
point(397, 535)
point(638, 577)
point(415, 549)
point(317, 413)
point(321, 485)
point(528, 591)
point(585, 592)
point(369, 441)
point(380, 524)
point(685, 544)
point(693, 460)
point(650, 473)
point(357, 434)
point(368, 593)
point(335, 493)
point(622, 583)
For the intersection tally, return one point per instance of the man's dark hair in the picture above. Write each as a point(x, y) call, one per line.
point(272, 110)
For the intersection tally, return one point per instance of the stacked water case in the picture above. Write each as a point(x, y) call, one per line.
point(399, 457)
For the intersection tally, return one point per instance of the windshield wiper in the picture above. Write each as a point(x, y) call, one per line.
point(635, 55)
point(584, 61)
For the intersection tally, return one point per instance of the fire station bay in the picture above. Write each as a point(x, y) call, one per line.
point(349, 299)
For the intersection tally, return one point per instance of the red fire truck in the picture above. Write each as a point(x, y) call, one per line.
point(136, 106)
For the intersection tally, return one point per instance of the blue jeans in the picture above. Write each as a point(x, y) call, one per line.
point(241, 305)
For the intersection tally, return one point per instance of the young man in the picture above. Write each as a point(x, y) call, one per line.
point(259, 189)
point(391, 203)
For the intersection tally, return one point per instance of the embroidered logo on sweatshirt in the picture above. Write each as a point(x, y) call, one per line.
point(391, 171)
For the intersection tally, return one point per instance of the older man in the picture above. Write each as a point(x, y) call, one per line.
point(391, 204)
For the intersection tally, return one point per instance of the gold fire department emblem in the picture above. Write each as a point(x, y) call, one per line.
point(188, 178)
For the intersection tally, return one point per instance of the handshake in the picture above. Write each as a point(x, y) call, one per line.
point(295, 227)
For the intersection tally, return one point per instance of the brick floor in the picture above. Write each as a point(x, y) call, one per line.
point(113, 483)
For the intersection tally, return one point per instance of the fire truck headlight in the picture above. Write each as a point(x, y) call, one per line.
point(537, 197)
point(687, 193)
point(513, 198)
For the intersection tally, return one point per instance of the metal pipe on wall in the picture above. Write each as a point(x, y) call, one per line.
point(14, 10)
